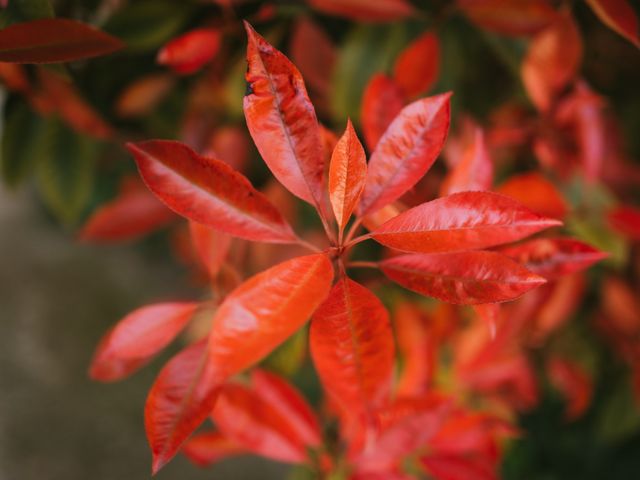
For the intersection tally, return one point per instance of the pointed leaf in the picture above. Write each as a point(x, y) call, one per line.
point(134, 213)
point(211, 247)
point(416, 69)
point(554, 257)
point(574, 384)
point(190, 51)
point(382, 101)
point(352, 347)
point(347, 175)
point(288, 401)
point(208, 191)
point(282, 120)
point(179, 401)
point(266, 309)
point(473, 172)
point(406, 151)
point(463, 278)
point(138, 337)
point(462, 221)
point(51, 40)
point(380, 10)
point(205, 449)
point(253, 422)
point(535, 192)
point(618, 15)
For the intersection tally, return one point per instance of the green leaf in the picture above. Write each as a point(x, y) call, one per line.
point(65, 170)
point(148, 24)
point(21, 140)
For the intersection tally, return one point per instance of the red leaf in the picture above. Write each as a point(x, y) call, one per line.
point(208, 191)
point(211, 246)
point(50, 40)
point(406, 151)
point(134, 213)
point(462, 221)
point(378, 11)
point(626, 220)
point(138, 337)
point(282, 120)
point(574, 384)
point(382, 101)
point(451, 467)
point(347, 175)
point(259, 423)
point(179, 401)
point(464, 277)
point(266, 309)
point(290, 403)
point(473, 172)
point(314, 54)
point(352, 347)
point(417, 67)
point(535, 192)
point(510, 17)
point(552, 61)
point(554, 257)
point(190, 51)
point(141, 96)
point(619, 16)
point(205, 449)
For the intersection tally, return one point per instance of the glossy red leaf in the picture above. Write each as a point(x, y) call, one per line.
point(626, 220)
point(552, 61)
point(619, 16)
point(254, 422)
point(179, 401)
point(138, 337)
point(462, 221)
point(287, 401)
point(352, 347)
point(208, 191)
point(406, 151)
point(510, 17)
point(211, 246)
point(382, 101)
point(378, 11)
point(50, 40)
point(314, 54)
point(417, 67)
point(266, 309)
point(535, 192)
point(282, 120)
point(574, 384)
point(190, 51)
point(453, 467)
point(473, 172)
point(464, 277)
point(205, 449)
point(554, 257)
point(347, 175)
point(134, 213)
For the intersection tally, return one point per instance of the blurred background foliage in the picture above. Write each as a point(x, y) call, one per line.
point(68, 167)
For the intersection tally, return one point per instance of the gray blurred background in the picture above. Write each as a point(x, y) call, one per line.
point(56, 300)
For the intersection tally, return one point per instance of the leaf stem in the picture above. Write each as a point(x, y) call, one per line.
point(357, 240)
point(362, 265)
point(353, 229)
point(308, 245)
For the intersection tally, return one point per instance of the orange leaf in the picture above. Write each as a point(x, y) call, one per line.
point(205, 449)
point(347, 175)
point(282, 120)
point(382, 101)
point(190, 51)
point(406, 151)
point(535, 192)
point(351, 344)
point(509, 17)
point(208, 191)
point(473, 172)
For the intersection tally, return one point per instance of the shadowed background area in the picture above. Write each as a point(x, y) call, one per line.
point(56, 300)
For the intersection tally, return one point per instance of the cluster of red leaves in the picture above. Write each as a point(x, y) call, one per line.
point(438, 249)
